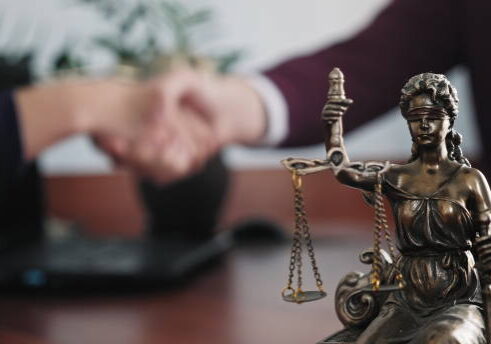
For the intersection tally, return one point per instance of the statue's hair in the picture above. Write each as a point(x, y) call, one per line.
point(436, 86)
point(442, 93)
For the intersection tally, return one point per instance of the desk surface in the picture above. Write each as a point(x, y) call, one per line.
point(236, 302)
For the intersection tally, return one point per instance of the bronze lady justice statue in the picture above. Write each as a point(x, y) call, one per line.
point(442, 210)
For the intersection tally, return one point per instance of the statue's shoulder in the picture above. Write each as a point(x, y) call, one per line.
point(396, 171)
point(471, 171)
point(472, 177)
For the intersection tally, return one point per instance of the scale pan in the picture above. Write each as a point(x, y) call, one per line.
point(304, 296)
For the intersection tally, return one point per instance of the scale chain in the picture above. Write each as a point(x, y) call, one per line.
point(303, 226)
point(301, 235)
point(310, 249)
point(377, 261)
point(293, 258)
point(298, 234)
point(382, 225)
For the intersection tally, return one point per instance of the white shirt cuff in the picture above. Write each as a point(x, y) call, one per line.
point(275, 106)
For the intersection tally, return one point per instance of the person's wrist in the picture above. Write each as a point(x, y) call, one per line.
point(80, 120)
point(246, 117)
point(107, 106)
point(46, 114)
point(86, 115)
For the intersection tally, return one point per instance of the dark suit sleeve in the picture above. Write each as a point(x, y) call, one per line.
point(190, 208)
point(407, 38)
point(20, 187)
point(10, 144)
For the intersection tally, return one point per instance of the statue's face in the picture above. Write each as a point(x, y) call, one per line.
point(428, 122)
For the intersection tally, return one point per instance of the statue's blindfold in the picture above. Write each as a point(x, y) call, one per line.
point(431, 111)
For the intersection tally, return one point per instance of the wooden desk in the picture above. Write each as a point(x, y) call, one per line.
point(237, 302)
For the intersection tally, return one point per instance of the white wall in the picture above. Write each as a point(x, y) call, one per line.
point(269, 31)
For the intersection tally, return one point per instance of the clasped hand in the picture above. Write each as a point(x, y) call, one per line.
point(167, 128)
point(164, 129)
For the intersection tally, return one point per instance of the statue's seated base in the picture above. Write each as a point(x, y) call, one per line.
point(356, 302)
point(346, 336)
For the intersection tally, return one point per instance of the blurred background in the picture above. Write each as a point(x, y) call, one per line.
point(239, 303)
point(244, 37)
point(261, 32)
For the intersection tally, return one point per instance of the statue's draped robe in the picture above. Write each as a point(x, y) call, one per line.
point(443, 296)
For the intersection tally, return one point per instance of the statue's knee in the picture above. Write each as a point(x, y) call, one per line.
point(438, 335)
point(464, 325)
point(443, 339)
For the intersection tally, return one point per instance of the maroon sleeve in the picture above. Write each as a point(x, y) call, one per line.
point(407, 38)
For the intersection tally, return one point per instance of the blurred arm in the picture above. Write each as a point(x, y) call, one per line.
point(51, 112)
point(407, 38)
point(10, 143)
point(480, 201)
point(275, 109)
point(44, 118)
point(20, 188)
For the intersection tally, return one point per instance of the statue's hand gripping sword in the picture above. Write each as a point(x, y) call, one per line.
point(332, 118)
point(332, 113)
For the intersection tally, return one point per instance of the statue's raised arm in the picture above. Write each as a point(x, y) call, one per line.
point(362, 175)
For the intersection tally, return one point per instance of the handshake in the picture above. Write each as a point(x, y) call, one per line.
point(163, 129)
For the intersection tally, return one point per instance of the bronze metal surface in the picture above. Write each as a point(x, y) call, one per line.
point(304, 296)
point(442, 211)
point(301, 238)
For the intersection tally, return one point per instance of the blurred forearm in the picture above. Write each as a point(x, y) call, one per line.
point(244, 112)
point(49, 113)
point(376, 63)
point(44, 117)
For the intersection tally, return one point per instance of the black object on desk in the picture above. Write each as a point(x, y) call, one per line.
point(112, 264)
point(180, 241)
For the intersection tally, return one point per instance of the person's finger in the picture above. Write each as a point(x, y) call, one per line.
point(172, 163)
point(171, 89)
point(115, 147)
point(191, 141)
point(202, 136)
point(193, 146)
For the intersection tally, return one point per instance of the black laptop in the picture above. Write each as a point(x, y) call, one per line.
point(180, 239)
point(80, 263)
